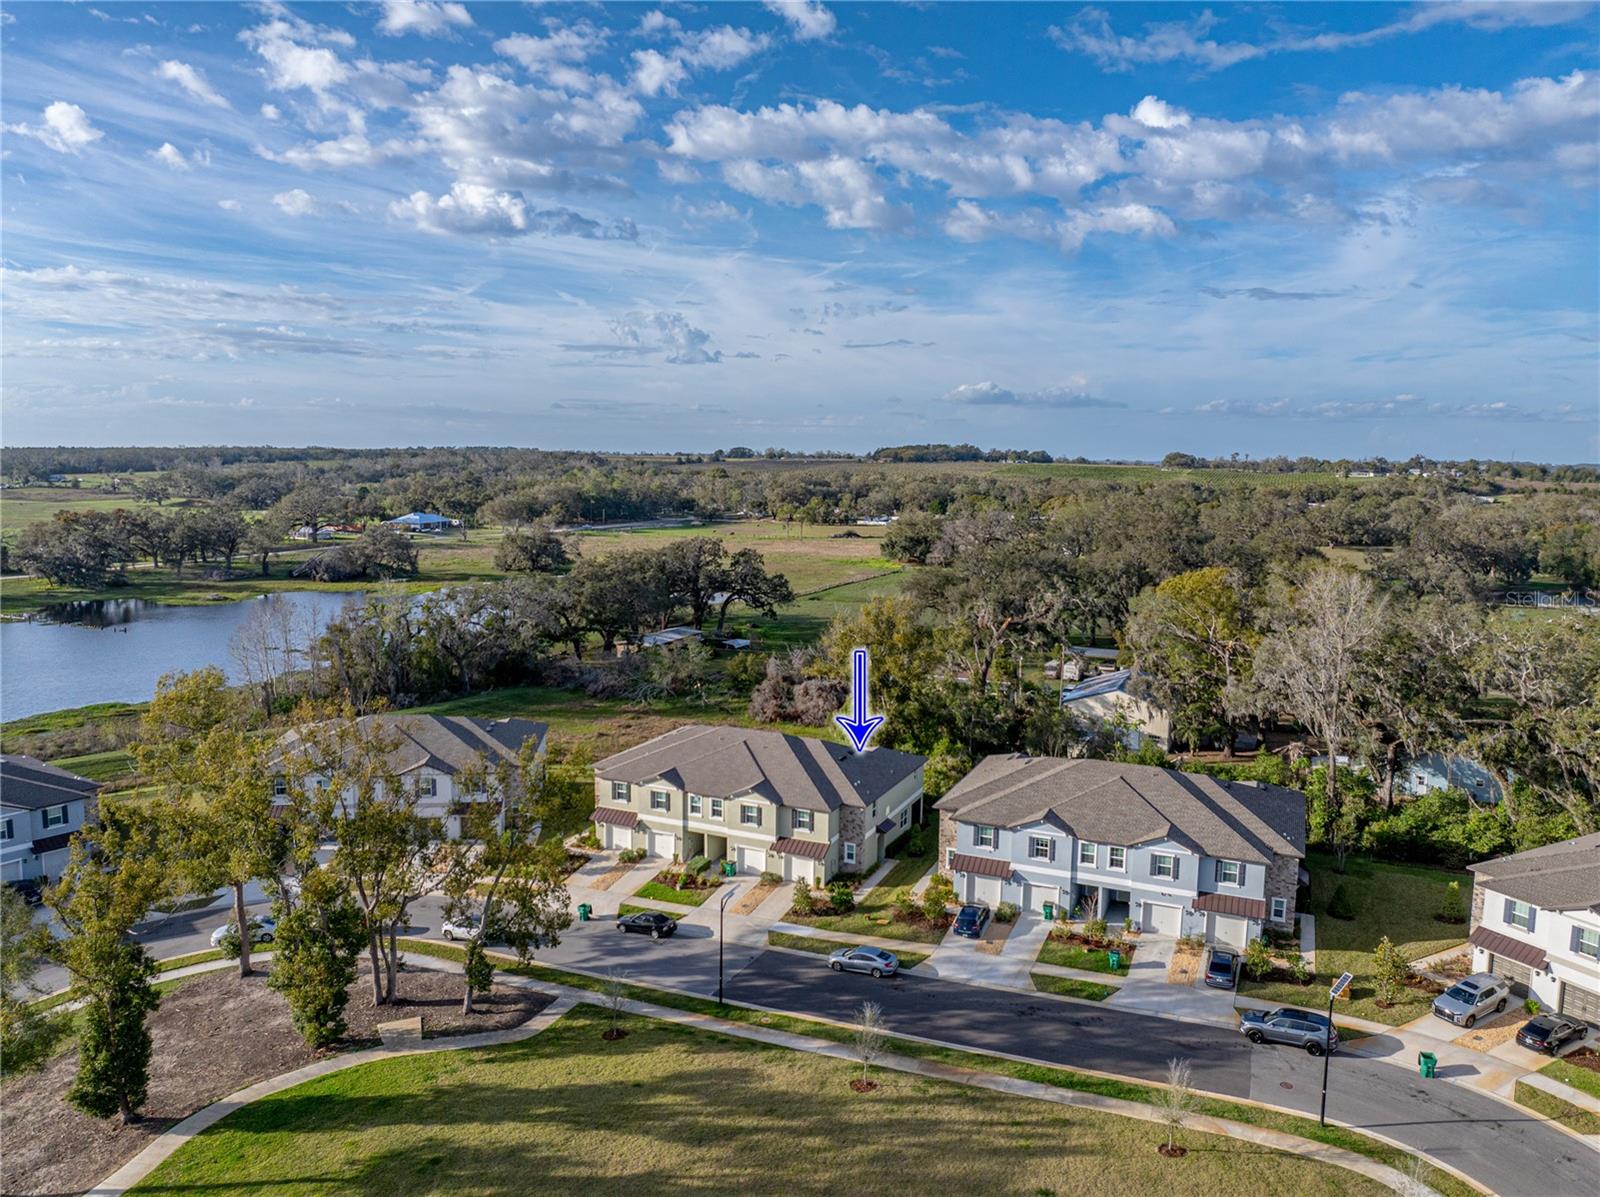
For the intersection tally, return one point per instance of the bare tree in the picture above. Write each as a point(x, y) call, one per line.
point(870, 1038)
point(1415, 1178)
point(1317, 662)
point(1176, 1100)
point(614, 1001)
point(262, 646)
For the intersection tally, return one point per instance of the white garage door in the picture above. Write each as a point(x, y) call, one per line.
point(985, 890)
point(752, 860)
point(796, 867)
point(618, 837)
point(1228, 929)
point(1035, 896)
point(661, 843)
point(1161, 920)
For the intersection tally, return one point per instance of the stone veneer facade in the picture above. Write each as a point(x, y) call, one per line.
point(947, 842)
point(1283, 881)
point(852, 830)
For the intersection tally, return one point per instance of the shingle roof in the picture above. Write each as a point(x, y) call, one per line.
point(444, 743)
point(1112, 803)
point(28, 784)
point(794, 771)
point(1564, 876)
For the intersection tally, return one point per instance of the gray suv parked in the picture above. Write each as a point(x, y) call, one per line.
point(1469, 1000)
point(1298, 1028)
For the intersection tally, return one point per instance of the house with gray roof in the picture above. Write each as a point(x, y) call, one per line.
point(437, 757)
point(40, 808)
point(1536, 922)
point(797, 806)
point(1120, 701)
point(1178, 853)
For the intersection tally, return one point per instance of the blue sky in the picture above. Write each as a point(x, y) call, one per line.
point(1102, 230)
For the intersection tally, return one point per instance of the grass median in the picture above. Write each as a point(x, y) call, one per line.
point(823, 947)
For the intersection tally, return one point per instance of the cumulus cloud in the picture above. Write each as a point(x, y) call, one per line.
point(643, 334)
point(808, 20)
point(295, 202)
point(422, 16)
point(656, 72)
point(193, 81)
point(991, 394)
point(476, 209)
point(296, 52)
point(66, 128)
point(169, 155)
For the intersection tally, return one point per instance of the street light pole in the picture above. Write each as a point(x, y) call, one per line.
point(1334, 991)
point(722, 908)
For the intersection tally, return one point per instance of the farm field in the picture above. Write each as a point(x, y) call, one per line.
point(567, 1110)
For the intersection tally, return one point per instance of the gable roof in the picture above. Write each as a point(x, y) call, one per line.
point(446, 744)
point(1111, 803)
point(1114, 682)
point(1564, 876)
point(29, 784)
point(796, 771)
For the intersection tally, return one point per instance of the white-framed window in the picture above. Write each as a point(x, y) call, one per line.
point(1116, 858)
point(1280, 909)
point(1230, 872)
point(280, 788)
point(749, 815)
point(621, 791)
point(1585, 940)
point(428, 787)
point(694, 804)
point(55, 816)
point(984, 836)
point(1040, 848)
point(849, 854)
point(1164, 864)
point(660, 800)
point(1088, 853)
point(8, 830)
point(716, 808)
point(1519, 914)
point(804, 820)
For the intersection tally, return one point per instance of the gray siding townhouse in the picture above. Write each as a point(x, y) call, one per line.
point(40, 807)
point(769, 802)
point(1178, 853)
point(1536, 922)
point(431, 755)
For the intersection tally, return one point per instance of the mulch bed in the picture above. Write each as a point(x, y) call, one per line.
point(1584, 1057)
point(213, 1034)
point(1103, 943)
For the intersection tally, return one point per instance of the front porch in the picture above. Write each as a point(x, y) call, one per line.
point(1102, 902)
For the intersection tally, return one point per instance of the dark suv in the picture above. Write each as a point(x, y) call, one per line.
point(971, 921)
point(31, 890)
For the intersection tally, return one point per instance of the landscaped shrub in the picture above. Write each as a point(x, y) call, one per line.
point(905, 907)
point(940, 893)
point(1340, 906)
point(697, 866)
point(1390, 968)
point(841, 897)
point(1299, 969)
point(631, 855)
point(1006, 912)
point(916, 841)
point(771, 878)
point(590, 837)
point(1257, 959)
point(1127, 926)
point(1095, 929)
point(1451, 907)
point(805, 901)
point(1531, 1005)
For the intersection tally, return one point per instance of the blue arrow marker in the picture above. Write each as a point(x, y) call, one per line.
point(859, 725)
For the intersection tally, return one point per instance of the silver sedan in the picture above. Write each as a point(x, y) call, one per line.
point(875, 961)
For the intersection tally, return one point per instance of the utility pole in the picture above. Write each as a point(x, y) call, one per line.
point(1337, 988)
point(722, 908)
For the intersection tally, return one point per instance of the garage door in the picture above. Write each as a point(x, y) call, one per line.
point(797, 867)
point(1517, 974)
point(752, 860)
point(1161, 920)
point(618, 837)
point(1229, 929)
point(984, 890)
point(1580, 1003)
point(661, 843)
point(1035, 896)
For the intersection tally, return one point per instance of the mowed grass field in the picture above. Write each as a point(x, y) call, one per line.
point(668, 1109)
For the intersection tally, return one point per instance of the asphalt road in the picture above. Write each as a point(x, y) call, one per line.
point(1485, 1139)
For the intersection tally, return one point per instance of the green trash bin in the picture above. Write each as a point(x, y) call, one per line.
point(1427, 1064)
point(584, 911)
point(1049, 912)
point(1114, 959)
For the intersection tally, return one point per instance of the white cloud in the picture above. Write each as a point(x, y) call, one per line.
point(66, 128)
point(655, 72)
point(170, 155)
point(475, 209)
point(295, 202)
point(808, 20)
point(990, 394)
point(565, 44)
point(193, 81)
point(669, 332)
point(422, 16)
point(270, 112)
point(292, 63)
point(1155, 113)
point(228, 205)
point(715, 49)
point(655, 23)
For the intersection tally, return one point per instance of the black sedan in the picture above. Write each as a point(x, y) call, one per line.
point(971, 921)
point(648, 922)
point(1550, 1032)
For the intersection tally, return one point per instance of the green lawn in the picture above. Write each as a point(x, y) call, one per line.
point(1389, 899)
point(1072, 987)
point(1586, 1080)
point(1568, 1115)
point(634, 908)
point(112, 765)
point(872, 913)
point(823, 947)
point(1070, 955)
point(671, 1109)
point(655, 891)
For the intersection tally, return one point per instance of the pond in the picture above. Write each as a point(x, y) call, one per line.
point(114, 650)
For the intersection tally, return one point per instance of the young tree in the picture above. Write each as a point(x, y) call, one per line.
point(115, 871)
point(1390, 968)
point(870, 1038)
point(319, 936)
point(614, 1001)
point(1176, 1101)
point(28, 1036)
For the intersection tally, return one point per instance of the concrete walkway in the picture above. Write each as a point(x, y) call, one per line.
point(565, 998)
point(1308, 939)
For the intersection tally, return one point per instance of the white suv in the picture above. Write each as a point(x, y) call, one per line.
point(1465, 1001)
